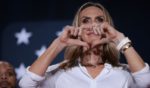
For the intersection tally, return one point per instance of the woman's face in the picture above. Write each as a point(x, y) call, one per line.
point(7, 76)
point(89, 18)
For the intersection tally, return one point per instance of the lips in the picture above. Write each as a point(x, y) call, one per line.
point(91, 33)
point(4, 84)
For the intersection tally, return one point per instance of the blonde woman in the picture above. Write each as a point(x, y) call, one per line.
point(91, 58)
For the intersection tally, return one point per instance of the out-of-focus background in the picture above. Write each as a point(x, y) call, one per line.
point(27, 27)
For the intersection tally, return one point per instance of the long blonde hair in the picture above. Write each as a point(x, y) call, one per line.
point(72, 53)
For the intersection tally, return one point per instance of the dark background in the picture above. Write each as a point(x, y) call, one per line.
point(44, 17)
point(124, 12)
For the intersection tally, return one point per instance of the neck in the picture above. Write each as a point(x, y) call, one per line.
point(95, 71)
point(93, 66)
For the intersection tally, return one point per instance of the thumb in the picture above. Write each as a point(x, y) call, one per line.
point(100, 42)
point(77, 42)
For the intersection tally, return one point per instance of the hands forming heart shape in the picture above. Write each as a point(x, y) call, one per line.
point(73, 35)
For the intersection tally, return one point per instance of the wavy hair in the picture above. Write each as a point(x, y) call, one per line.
point(73, 53)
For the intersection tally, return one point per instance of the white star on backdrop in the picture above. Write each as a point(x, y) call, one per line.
point(23, 36)
point(41, 51)
point(20, 71)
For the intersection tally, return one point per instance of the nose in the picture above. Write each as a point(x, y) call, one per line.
point(94, 24)
point(3, 76)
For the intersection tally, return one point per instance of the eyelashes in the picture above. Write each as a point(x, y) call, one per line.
point(87, 20)
point(100, 19)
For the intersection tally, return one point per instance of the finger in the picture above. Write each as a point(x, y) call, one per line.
point(76, 30)
point(95, 28)
point(101, 29)
point(103, 34)
point(100, 42)
point(77, 42)
point(85, 49)
point(71, 31)
point(64, 35)
point(95, 31)
point(106, 28)
point(98, 30)
point(109, 30)
point(80, 30)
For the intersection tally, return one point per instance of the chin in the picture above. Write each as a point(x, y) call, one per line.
point(5, 84)
point(90, 39)
point(90, 61)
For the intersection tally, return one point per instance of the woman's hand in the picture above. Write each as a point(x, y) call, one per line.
point(70, 36)
point(108, 34)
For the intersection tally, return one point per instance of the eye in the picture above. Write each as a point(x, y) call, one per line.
point(11, 73)
point(85, 21)
point(100, 19)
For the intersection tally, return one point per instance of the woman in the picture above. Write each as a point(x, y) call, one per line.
point(91, 57)
point(7, 75)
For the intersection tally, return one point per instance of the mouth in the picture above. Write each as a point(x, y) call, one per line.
point(4, 84)
point(90, 32)
point(92, 36)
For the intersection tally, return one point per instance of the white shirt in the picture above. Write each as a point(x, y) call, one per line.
point(78, 77)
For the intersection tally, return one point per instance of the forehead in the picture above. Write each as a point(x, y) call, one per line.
point(4, 66)
point(91, 10)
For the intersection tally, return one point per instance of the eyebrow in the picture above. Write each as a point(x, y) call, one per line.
point(85, 17)
point(89, 17)
point(100, 17)
point(10, 69)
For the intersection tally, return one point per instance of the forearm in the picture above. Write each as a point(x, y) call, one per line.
point(41, 64)
point(134, 60)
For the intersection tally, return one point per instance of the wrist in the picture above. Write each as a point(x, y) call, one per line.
point(119, 38)
point(125, 47)
point(124, 44)
point(60, 43)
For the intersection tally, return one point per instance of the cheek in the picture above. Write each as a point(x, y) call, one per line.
point(12, 81)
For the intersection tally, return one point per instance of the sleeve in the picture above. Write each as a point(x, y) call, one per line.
point(142, 77)
point(130, 83)
point(30, 80)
